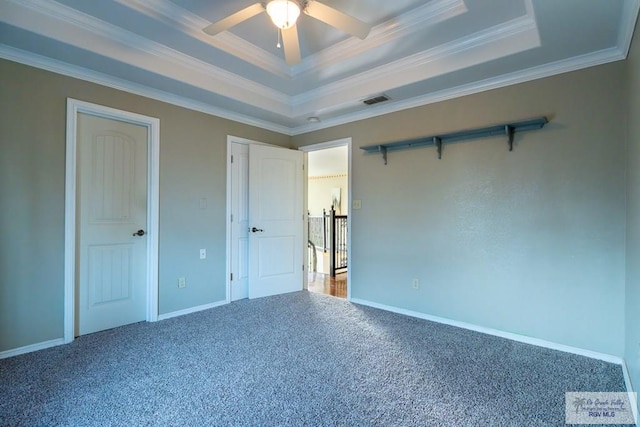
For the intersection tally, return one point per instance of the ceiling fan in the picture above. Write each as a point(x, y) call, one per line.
point(285, 13)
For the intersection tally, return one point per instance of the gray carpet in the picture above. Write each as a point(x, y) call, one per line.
point(300, 359)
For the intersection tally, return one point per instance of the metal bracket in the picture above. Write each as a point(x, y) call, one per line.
point(437, 141)
point(509, 130)
point(383, 150)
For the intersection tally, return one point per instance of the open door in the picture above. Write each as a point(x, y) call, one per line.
point(275, 221)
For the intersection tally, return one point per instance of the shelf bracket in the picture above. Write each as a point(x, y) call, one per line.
point(509, 130)
point(437, 141)
point(382, 149)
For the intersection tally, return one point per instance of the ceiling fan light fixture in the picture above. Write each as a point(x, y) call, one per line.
point(283, 13)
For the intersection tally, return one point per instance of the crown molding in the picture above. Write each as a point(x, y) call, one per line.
point(404, 25)
point(58, 67)
point(344, 93)
point(508, 38)
point(81, 30)
point(192, 25)
point(330, 176)
point(547, 70)
point(630, 11)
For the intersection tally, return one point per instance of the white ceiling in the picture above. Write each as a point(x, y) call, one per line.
point(418, 52)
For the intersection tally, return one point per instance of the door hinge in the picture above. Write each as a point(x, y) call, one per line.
point(232, 158)
point(231, 277)
point(231, 217)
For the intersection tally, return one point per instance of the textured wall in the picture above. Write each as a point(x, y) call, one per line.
point(632, 350)
point(32, 159)
point(529, 242)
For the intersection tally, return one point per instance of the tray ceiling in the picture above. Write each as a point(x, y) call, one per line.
point(418, 52)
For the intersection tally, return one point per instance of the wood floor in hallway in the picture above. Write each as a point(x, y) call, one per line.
point(325, 284)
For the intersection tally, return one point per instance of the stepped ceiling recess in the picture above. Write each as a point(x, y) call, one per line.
point(417, 52)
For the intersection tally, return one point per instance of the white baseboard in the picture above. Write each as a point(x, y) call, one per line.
point(191, 310)
point(31, 347)
point(496, 332)
point(52, 343)
point(633, 397)
point(520, 338)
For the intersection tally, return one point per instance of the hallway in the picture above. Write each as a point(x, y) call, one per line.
point(325, 284)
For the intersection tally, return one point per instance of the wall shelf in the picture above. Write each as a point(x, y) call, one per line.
point(506, 129)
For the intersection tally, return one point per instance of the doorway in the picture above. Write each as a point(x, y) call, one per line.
point(111, 218)
point(329, 221)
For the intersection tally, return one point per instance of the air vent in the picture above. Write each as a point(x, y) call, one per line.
point(376, 99)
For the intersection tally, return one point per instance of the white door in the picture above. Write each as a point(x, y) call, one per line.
point(275, 220)
point(239, 221)
point(112, 208)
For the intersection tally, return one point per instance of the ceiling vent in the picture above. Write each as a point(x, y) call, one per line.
point(376, 99)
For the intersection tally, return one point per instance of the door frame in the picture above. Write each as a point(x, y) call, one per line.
point(321, 146)
point(75, 107)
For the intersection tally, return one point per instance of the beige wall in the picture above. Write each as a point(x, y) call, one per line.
point(32, 170)
point(529, 242)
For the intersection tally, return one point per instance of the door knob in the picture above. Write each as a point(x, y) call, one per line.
point(253, 230)
point(139, 233)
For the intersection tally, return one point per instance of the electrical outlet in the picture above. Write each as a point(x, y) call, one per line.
point(357, 204)
point(203, 253)
point(415, 283)
point(182, 282)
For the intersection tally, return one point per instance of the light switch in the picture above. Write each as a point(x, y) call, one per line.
point(357, 204)
point(203, 253)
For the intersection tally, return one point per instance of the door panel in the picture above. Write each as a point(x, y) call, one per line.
point(276, 255)
point(240, 222)
point(276, 213)
point(112, 173)
point(109, 278)
point(112, 189)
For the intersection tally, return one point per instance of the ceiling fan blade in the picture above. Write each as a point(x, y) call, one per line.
point(337, 19)
point(234, 19)
point(291, 45)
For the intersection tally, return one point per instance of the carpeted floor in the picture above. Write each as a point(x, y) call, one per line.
point(300, 359)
